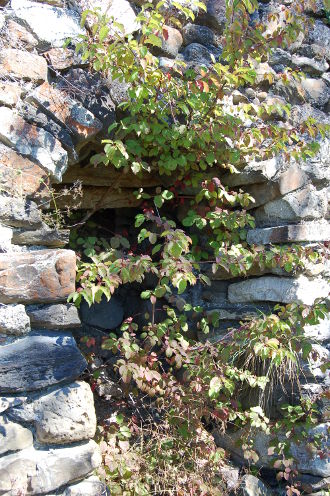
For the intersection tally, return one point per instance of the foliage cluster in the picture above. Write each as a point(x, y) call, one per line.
point(180, 122)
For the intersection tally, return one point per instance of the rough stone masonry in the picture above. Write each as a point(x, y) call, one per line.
point(53, 113)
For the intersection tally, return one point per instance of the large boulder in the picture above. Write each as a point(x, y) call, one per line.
point(278, 289)
point(52, 26)
point(32, 471)
point(33, 142)
point(38, 361)
point(40, 276)
point(63, 416)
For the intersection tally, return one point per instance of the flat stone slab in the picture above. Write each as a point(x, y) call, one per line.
point(60, 316)
point(13, 436)
point(14, 320)
point(33, 142)
point(278, 289)
point(38, 361)
point(310, 231)
point(21, 64)
point(38, 276)
point(33, 472)
point(44, 236)
point(17, 212)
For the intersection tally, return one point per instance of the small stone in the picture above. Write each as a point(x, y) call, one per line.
point(7, 403)
point(310, 231)
point(193, 33)
point(22, 178)
point(33, 142)
point(43, 236)
point(106, 315)
point(44, 360)
point(252, 486)
point(62, 58)
point(35, 472)
point(13, 436)
point(88, 487)
point(60, 316)
point(171, 42)
point(51, 26)
point(39, 276)
point(19, 36)
point(9, 94)
point(19, 213)
point(6, 233)
point(20, 64)
point(65, 110)
point(304, 204)
point(238, 97)
point(278, 289)
point(14, 320)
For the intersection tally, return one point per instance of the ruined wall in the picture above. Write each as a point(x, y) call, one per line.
point(52, 116)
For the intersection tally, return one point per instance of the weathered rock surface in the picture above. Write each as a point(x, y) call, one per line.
point(314, 91)
point(278, 289)
point(194, 33)
point(33, 142)
point(320, 332)
point(66, 111)
point(50, 25)
point(309, 231)
point(21, 177)
point(44, 360)
point(196, 55)
point(88, 487)
point(308, 462)
point(254, 172)
point(17, 212)
point(63, 416)
point(60, 316)
point(44, 236)
point(106, 315)
point(20, 64)
point(303, 204)
point(19, 37)
point(171, 42)
point(6, 403)
point(35, 472)
point(13, 436)
point(9, 94)
point(14, 320)
point(216, 15)
point(97, 198)
point(6, 233)
point(62, 58)
point(40, 276)
point(252, 486)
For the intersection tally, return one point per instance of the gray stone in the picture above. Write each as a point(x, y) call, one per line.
point(44, 360)
point(320, 34)
point(309, 65)
point(61, 316)
point(193, 33)
point(106, 315)
point(8, 402)
point(17, 212)
point(310, 90)
point(13, 436)
point(6, 234)
point(278, 289)
point(44, 236)
point(307, 461)
point(319, 332)
point(199, 55)
point(33, 142)
point(51, 26)
point(14, 320)
point(309, 231)
point(252, 486)
point(254, 172)
point(304, 204)
point(215, 17)
point(33, 471)
point(88, 487)
point(66, 415)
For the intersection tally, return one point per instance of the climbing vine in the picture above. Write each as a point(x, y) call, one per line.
point(179, 122)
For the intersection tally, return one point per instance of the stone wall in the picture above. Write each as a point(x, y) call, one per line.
point(53, 113)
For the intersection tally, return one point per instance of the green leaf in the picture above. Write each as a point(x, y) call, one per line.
point(182, 284)
point(153, 40)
